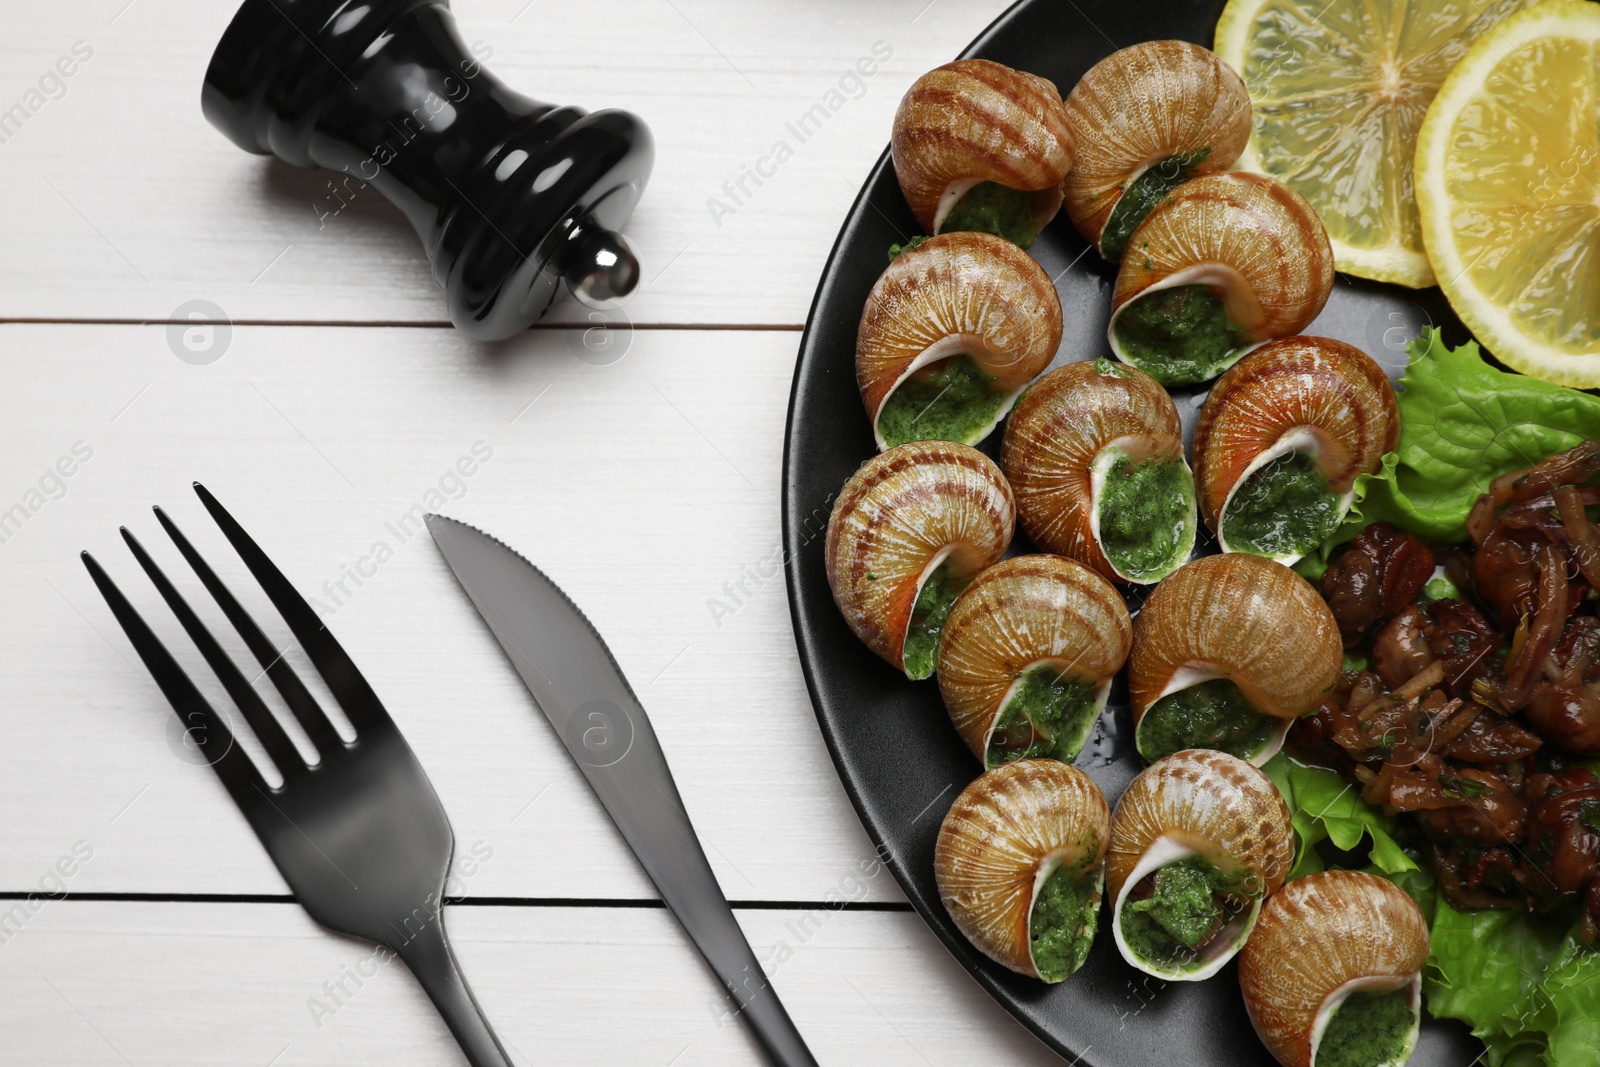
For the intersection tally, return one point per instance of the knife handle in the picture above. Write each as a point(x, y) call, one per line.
point(716, 933)
point(620, 756)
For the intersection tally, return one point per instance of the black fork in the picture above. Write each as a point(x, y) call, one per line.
point(360, 835)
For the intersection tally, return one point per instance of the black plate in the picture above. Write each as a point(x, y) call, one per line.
point(893, 744)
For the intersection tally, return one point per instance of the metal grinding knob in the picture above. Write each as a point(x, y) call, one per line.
point(601, 267)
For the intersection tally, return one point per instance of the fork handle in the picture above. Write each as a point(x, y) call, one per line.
point(431, 959)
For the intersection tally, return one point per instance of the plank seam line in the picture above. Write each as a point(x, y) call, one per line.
point(644, 903)
point(757, 327)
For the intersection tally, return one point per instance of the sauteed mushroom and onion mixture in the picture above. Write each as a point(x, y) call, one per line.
point(1480, 696)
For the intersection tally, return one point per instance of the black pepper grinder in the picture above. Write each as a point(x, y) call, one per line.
point(509, 195)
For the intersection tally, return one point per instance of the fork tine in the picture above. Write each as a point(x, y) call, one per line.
point(238, 774)
point(288, 683)
point(268, 731)
point(360, 703)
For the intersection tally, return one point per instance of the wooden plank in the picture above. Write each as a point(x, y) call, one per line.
point(90, 984)
point(648, 488)
point(123, 203)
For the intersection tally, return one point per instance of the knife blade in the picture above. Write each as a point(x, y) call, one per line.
point(576, 683)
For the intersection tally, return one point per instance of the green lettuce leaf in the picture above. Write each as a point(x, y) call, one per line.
point(1325, 807)
point(1486, 964)
point(1462, 424)
point(1524, 984)
point(1571, 989)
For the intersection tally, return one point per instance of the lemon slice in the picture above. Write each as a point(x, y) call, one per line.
point(1339, 88)
point(1508, 183)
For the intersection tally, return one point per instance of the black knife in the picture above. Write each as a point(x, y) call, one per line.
point(580, 689)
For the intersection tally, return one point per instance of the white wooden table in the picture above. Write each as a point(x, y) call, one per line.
point(644, 479)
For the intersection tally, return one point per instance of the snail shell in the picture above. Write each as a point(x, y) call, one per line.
point(1312, 395)
point(975, 121)
point(1213, 806)
point(1168, 106)
point(1005, 836)
point(1320, 939)
point(900, 518)
point(1250, 240)
point(1027, 613)
point(1068, 433)
point(962, 294)
point(1245, 619)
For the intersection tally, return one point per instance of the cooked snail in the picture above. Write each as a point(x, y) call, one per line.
point(952, 332)
point(908, 531)
point(1143, 120)
point(1225, 262)
point(979, 146)
point(1094, 451)
point(1332, 972)
point(1226, 654)
point(1281, 440)
point(1027, 657)
point(1197, 841)
point(1020, 865)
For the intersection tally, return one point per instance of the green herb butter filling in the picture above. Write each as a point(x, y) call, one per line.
point(1179, 336)
point(1146, 516)
point(1187, 906)
point(1143, 194)
point(1047, 715)
point(1213, 714)
point(951, 400)
point(1368, 1030)
point(990, 207)
point(915, 242)
point(921, 652)
point(1284, 508)
point(1062, 923)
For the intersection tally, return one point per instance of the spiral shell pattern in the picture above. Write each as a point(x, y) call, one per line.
point(1318, 939)
point(975, 121)
point(1061, 424)
point(1141, 106)
point(1247, 235)
point(961, 293)
point(1332, 390)
point(999, 834)
point(1208, 804)
point(1244, 618)
point(897, 517)
point(1023, 612)
point(1214, 804)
